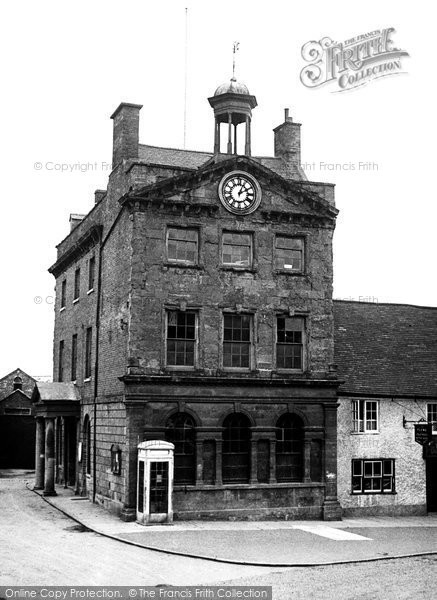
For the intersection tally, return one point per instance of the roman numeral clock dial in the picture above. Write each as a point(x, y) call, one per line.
point(239, 192)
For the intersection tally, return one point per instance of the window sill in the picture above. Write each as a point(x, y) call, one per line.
point(176, 265)
point(290, 272)
point(76, 300)
point(373, 493)
point(90, 291)
point(62, 309)
point(87, 380)
point(180, 487)
point(364, 432)
point(180, 369)
point(237, 269)
point(238, 370)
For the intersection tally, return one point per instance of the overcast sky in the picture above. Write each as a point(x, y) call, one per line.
point(68, 65)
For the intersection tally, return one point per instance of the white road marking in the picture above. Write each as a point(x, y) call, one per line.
point(332, 533)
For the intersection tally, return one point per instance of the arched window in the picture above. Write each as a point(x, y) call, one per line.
point(18, 383)
point(236, 449)
point(86, 457)
point(180, 431)
point(289, 448)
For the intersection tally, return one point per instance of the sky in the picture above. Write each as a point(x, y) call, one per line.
point(68, 65)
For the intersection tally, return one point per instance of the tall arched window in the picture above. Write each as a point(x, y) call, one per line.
point(180, 430)
point(86, 456)
point(236, 449)
point(289, 448)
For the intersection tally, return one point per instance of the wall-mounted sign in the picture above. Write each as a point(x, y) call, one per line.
point(422, 433)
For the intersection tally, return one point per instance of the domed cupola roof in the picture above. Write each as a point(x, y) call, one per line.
point(232, 87)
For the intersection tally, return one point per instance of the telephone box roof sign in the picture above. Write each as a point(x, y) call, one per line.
point(156, 445)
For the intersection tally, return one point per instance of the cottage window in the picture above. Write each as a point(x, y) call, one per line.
point(373, 476)
point(365, 416)
point(432, 416)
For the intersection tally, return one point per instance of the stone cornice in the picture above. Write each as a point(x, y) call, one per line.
point(192, 380)
point(89, 239)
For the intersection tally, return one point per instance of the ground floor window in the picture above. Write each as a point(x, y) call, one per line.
point(236, 449)
point(289, 448)
point(180, 431)
point(373, 476)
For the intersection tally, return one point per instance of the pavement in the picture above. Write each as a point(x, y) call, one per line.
point(262, 543)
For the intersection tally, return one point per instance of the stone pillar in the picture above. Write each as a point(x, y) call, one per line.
point(218, 462)
point(128, 512)
point(247, 145)
point(199, 462)
point(49, 478)
point(66, 452)
point(331, 505)
point(216, 136)
point(229, 133)
point(78, 469)
point(307, 460)
point(272, 478)
point(253, 460)
point(235, 139)
point(39, 454)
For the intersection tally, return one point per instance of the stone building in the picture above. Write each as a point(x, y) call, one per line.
point(17, 425)
point(194, 305)
point(387, 358)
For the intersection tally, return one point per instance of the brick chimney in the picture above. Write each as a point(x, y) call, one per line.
point(125, 137)
point(287, 140)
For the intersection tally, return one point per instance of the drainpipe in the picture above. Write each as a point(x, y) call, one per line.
point(96, 369)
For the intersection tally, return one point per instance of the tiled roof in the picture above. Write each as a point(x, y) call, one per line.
point(387, 349)
point(173, 157)
point(55, 391)
point(191, 159)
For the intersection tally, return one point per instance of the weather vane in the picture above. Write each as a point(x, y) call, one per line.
point(235, 48)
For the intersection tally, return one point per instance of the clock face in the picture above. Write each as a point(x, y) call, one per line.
point(239, 192)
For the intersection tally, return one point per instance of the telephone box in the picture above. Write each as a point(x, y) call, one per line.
point(155, 482)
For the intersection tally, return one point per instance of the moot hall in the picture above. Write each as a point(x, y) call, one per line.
point(194, 364)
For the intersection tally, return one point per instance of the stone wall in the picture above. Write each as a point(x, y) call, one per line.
point(391, 441)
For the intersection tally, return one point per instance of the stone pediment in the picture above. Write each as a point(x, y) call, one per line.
point(198, 190)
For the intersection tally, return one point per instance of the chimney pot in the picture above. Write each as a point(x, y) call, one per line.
point(75, 220)
point(98, 195)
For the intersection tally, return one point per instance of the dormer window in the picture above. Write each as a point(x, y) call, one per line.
point(18, 383)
